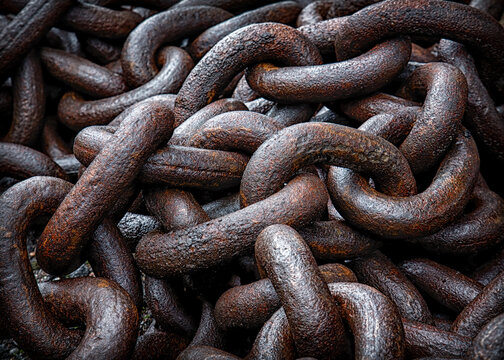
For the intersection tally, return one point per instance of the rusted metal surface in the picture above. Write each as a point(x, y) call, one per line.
point(64, 40)
point(417, 215)
point(208, 332)
point(102, 50)
point(436, 126)
point(320, 10)
point(110, 258)
point(251, 305)
point(486, 305)
point(172, 165)
point(487, 271)
point(380, 272)
point(476, 230)
point(205, 352)
point(52, 142)
point(167, 307)
point(488, 343)
point(100, 21)
point(137, 57)
point(175, 209)
point(26, 29)
point(329, 82)
point(227, 185)
point(224, 238)
point(445, 285)
point(334, 240)
point(159, 345)
point(58, 251)
point(22, 162)
point(313, 317)
point(284, 12)
point(110, 315)
point(235, 131)
point(28, 102)
point(373, 318)
point(188, 128)
point(300, 145)
point(75, 112)
point(388, 18)
point(81, 74)
point(427, 340)
point(228, 57)
point(35, 329)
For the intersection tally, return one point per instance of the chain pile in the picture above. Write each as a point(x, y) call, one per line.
point(266, 180)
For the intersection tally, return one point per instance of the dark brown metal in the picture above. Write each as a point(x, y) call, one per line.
point(235, 131)
point(81, 74)
point(188, 128)
point(52, 142)
point(159, 345)
point(22, 162)
point(245, 46)
point(230, 5)
point(167, 307)
point(222, 239)
point(335, 240)
point(202, 255)
point(374, 320)
point(175, 209)
point(284, 12)
point(485, 306)
point(28, 102)
point(445, 91)
point(357, 301)
point(208, 332)
point(313, 316)
point(427, 340)
point(482, 118)
point(64, 40)
point(379, 272)
point(300, 145)
point(274, 340)
point(101, 50)
point(318, 11)
point(488, 344)
point(447, 286)
point(490, 269)
point(243, 91)
point(100, 21)
point(329, 82)
point(434, 18)
point(93, 19)
point(481, 228)
point(222, 206)
point(110, 315)
point(110, 258)
point(176, 166)
point(76, 113)
point(26, 29)
point(250, 306)
point(137, 58)
point(423, 55)
point(417, 215)
point(201, 352)
point(143, 129)
point(364, 108)
point(34, 328)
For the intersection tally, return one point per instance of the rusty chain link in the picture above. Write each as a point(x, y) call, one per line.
point(218, 179)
